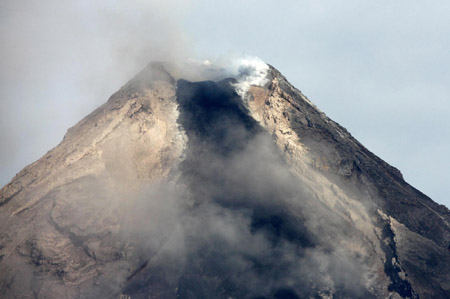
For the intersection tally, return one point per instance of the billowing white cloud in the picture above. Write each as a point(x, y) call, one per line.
point(249, 71)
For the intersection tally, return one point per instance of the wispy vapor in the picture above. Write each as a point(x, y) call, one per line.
point(61, 60)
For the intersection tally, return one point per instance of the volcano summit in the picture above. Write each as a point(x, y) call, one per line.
point(204, 182)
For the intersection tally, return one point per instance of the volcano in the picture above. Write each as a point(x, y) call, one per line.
point(210, 183)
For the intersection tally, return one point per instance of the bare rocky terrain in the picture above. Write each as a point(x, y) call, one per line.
point(194, 189)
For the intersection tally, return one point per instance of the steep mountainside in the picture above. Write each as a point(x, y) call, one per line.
point(232, 187)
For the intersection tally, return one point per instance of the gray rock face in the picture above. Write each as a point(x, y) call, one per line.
point(193, 190)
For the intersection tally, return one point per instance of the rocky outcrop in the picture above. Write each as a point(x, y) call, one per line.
point(308, 137)
point(190, 189)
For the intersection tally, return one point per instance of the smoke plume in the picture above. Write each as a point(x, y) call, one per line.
point(236, 221)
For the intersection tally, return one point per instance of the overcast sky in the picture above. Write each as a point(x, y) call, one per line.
point(379, 68)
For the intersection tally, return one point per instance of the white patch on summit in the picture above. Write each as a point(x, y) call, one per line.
point(248, 72)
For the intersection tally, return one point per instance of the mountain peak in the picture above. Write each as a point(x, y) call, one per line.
point(214, 181)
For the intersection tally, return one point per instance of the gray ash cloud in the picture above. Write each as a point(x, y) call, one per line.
point(239, 224)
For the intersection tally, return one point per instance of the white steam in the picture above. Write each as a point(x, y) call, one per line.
point(249, 71)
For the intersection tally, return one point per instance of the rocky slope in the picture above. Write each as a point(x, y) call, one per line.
point(237, 187)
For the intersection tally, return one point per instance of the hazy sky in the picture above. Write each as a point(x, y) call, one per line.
point(379, 68)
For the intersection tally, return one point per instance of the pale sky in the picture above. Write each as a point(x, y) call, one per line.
point(379, 68)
